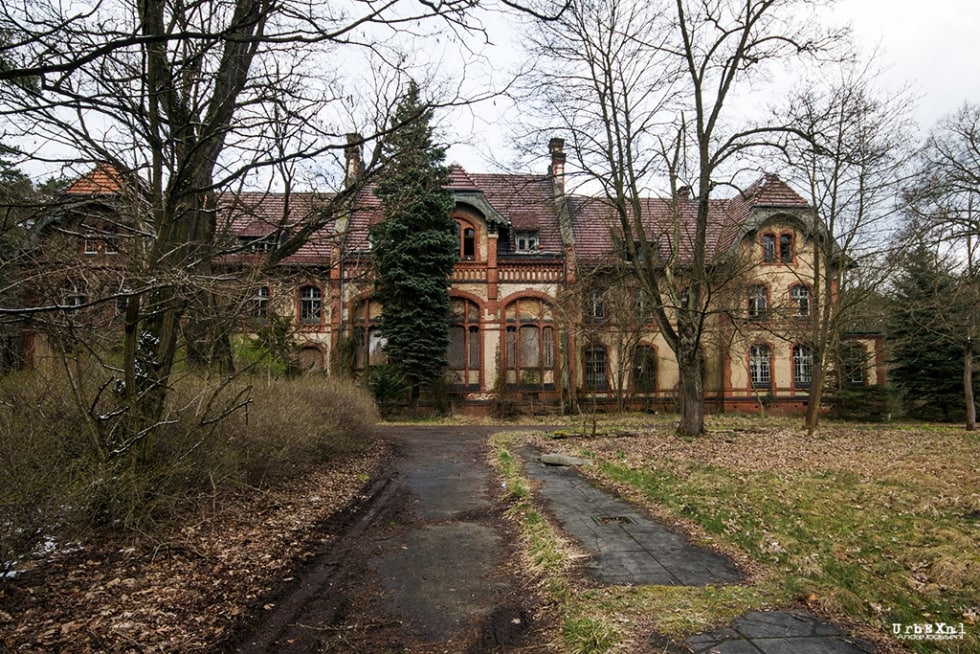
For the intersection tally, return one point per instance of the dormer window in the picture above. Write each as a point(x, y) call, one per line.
point(466, 240)
point(527, 242)
point(769, 248)
point(786, 248)
point(256, 244)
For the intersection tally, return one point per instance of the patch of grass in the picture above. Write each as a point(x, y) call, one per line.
point(586, 634)
point(874, 522)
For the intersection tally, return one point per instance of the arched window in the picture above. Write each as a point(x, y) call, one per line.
point(802, 366)
point(769, 248)
point(310, 305)
point(760, 366)
point(644, 369)
point(786, 248)
point(529, 343)
point(464, 342)
point(801, 300)
point(310, 357)
point(466, 240)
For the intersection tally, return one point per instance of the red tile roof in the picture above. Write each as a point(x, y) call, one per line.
point(524, 200)
point(599, 234)
point(105, 179)
point(257, 214)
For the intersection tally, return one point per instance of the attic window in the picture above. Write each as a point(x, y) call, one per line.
point(527, 242)
point(256, 243)
point(769, 248)
point(466, 240)
point(786, 248)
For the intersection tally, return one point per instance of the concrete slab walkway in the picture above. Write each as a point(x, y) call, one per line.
point(630, 547)
point(777, 632)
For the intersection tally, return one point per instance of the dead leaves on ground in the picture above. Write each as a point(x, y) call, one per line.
point(186, 593)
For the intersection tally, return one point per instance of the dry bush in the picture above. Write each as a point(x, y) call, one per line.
point(59, 479)
point(292, 424)
point(44, 460)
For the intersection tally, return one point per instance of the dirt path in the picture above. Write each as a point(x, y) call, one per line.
point(425, 564)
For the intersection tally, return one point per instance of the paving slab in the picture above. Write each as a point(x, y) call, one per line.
point(778, 632)
point(628, 546)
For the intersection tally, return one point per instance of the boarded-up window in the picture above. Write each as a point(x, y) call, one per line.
point(474, 347)
point(530, 347)
point(457, 348)
point(548, 347)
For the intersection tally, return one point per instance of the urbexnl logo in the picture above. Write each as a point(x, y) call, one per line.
point(928, 631)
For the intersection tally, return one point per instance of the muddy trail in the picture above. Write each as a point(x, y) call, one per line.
point(426, 563)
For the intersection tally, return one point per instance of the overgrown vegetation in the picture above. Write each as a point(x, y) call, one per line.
point(59, 482)
point(866, 522)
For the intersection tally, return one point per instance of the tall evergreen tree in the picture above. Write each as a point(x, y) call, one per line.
point(924, 327)
point(414, 246)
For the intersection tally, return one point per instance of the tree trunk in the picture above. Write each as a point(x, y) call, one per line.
point(691, 390)
point(416, 395)
point(971, 405)
point(816, 393)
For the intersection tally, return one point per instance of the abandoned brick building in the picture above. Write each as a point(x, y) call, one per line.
point(543, 307)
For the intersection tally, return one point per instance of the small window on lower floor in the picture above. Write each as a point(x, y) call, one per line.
point(760, 366)
point(645, 369)
point(853, 361)
point(802, 365)
point(309, 304)
point(595, 368)
point(260, 304)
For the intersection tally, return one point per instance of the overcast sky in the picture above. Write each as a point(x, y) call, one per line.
point(931, 46)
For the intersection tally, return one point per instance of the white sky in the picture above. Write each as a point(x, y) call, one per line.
point(931, 46)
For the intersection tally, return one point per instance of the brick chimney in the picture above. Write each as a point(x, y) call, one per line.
point(556, 170)
point(352, 155)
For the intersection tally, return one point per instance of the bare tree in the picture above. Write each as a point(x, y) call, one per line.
point(184, 103)
point(851, 155)
point(945, 199)
point(645, 89)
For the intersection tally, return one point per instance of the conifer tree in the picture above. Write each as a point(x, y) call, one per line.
point(414, 246)
point(923, 328)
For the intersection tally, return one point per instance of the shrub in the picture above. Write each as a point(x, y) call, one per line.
point(290, 425)
point(861, 403)
point(61, 475)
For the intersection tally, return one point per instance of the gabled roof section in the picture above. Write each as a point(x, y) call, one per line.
point(105, 179)
point(671, 224)
point(466, 191)
point(254, 215)
point(526, 201)
point(770, 191)
point(459, 179)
